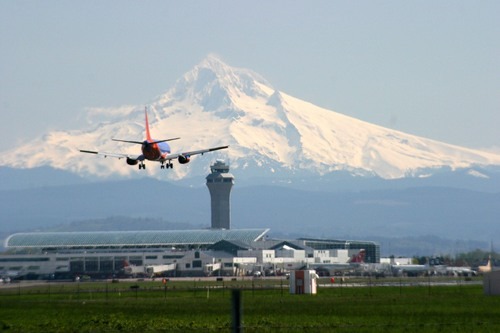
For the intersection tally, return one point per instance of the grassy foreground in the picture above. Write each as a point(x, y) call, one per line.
point(196, 306)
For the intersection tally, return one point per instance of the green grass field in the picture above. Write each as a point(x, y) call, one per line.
point(196, 306)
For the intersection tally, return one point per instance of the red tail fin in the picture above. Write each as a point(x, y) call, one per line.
point(360, 257)
point(148, 136)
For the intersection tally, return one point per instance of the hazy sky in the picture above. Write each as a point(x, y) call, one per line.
point(430, 68)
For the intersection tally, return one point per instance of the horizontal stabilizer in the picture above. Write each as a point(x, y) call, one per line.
point(89, 151)
point(141, 142)
point(165, 140)
point(128, 141)
point(218, 148)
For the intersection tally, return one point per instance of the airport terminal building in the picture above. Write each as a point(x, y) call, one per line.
point(178, 253)
point(218, 250)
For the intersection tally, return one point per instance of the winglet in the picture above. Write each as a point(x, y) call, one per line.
point(148, 136)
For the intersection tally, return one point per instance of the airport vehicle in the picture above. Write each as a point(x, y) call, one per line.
point(154, 150)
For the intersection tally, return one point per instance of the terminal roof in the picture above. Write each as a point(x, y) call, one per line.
point(156, 238)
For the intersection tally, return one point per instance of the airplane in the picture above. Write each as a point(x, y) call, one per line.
point(410, 270)
point(154, 150)
point(129, 269)
point(460, 271)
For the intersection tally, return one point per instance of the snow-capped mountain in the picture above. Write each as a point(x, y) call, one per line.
point(269, 133)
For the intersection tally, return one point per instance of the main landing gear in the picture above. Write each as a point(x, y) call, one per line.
point(168, 165)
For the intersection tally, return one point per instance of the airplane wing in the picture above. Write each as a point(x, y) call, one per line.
point(188, 154)
point(183, 157)
point(115, 155)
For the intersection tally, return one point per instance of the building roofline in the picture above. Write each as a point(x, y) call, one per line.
point(149, 238)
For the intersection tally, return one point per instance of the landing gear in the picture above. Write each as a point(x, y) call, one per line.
point(142, 166)
point(167, 165)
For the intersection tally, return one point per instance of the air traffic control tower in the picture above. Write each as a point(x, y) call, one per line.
point(219, 183)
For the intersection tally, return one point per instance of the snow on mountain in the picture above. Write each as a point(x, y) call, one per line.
point(269, 133)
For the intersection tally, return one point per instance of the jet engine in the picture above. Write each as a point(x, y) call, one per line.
point(183, 159)
point(131, 161)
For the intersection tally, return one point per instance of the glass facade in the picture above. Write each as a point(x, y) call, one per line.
point(372, 249)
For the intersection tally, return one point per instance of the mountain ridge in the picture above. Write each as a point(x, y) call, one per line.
point(270, 134)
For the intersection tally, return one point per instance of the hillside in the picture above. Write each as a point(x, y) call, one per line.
point(443, 212)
